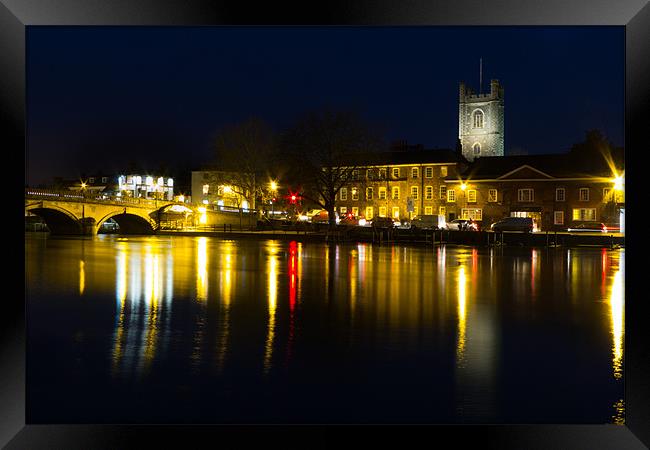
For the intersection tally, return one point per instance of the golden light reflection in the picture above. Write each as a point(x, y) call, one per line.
point(462, 299)
point(82, 277)
point(619, 413)
point(202, 270)
point(120, 291)
point(227, 259)
point(617, 309)
point(151, 301)
point(272, 271)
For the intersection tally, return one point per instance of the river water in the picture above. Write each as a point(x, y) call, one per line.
point(162, 329)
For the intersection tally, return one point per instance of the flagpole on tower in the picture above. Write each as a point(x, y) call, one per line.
point(480, 76)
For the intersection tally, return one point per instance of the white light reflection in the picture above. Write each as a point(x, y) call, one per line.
point(272, 271)
point(617, 310)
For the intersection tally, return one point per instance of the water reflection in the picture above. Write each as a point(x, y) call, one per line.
point(617, 312)
point(459, 323)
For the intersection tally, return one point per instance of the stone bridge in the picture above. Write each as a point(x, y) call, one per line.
point(75, 213)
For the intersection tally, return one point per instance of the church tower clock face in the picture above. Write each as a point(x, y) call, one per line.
point(480, 121)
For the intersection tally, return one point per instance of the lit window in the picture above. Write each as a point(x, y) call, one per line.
point(382, 211)
point(584, 194)
point(355, 211)
point(428, 210)
point(478, 119)
point(607, 194)
point(414, 192)
point(370, 174)
point(584, 214)
point(344, 193)
point(395, 192)
point(206, 188)
point(471, 195)
point(443, 192)
point(442, 211)
point(395, 172)
point(620, 196)
point(492, 195)
point(170, 182)
point(428, 172)
point(451, 195)
point(149, 181)
point(415, 172)
point(343, 209)
point(525, 195)
point(91, 180)
point(355, 174)
point(559, 194)
point(369, 192)
point(382, 193)
point(104, 179)
point(472, 213)
point(161, 181)
point(558, 218)
point(355, 194)
point(428, 192)
point(369, 213)
point(396, 212)
point(443, 171)
point(382, 174)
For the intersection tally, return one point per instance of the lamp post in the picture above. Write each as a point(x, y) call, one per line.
point(274, 187)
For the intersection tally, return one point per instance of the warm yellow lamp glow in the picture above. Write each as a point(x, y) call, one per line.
point(618, 183)
point(274, 186)
point(463, 186)
point(227, 189)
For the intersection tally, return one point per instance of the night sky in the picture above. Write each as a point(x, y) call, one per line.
point(99, 98)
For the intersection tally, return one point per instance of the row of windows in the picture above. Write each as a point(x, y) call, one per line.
point(396, 173)
point(523, 195)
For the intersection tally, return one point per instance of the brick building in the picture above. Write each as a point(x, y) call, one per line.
point(555, 190)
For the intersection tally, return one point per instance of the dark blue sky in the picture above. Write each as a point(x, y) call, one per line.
point(101, 97)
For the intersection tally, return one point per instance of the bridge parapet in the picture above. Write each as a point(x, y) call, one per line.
point(51, 194)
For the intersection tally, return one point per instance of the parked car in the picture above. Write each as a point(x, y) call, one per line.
point(462, 224)
point(321, 217)
point(593, 227)
point(349, 219)
point(382, 222)
point(524, 224)
point(425, 222)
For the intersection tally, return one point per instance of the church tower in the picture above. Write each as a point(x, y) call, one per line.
point(480, 121)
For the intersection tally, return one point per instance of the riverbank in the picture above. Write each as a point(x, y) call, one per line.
point(420, 237)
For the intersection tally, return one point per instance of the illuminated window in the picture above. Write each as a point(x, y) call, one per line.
point(451, 195)
point(91, 180)
point(584, 214)
point(129, 179)
point(584, 194)
point(355, 211)
point(355, 194)
point(525, 195)
point(395, 212)
point(414, 192)
point(442, 211)
point(104, 179)
point(369, 192)
point(558, 218)
point(382, 174)
point(472, 213)
point(477, 148)
point(395, 192)
point(382, 193)
point(428, 210)
point(443, 192)
point(206, 188)
point(415, 212)
point(607, 194)
point(478, 119)
point(428, 172)
point(355, 174)
point(560, 194)
point(620, 196)
point(370, 174)
point(443, 171)
point(415, 172)
point(395, 172)
point(428, 192)
point(492, 195)
point(343, 209)
point(471, 195)
point(344, 193)
point(382, 211)
point(170, 182)
point(369, 213)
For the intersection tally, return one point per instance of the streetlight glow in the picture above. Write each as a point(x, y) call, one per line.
point(463, 186)
point(618, 183)
point(274, 185)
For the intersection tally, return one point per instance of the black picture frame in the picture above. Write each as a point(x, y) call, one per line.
point(634, 15)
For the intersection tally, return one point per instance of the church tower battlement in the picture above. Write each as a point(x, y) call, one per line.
point(480, 121)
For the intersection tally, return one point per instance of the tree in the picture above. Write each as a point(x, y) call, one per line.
point(596, 153)
point(321, 148)
point(244, 152)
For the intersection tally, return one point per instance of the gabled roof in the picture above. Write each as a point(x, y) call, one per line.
point(563, 165)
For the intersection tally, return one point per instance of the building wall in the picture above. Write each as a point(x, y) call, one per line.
point(491, 135)
point(544, 201)
point(404, 182)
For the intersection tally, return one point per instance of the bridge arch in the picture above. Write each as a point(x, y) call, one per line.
point(129, 222)
point(59, 220)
